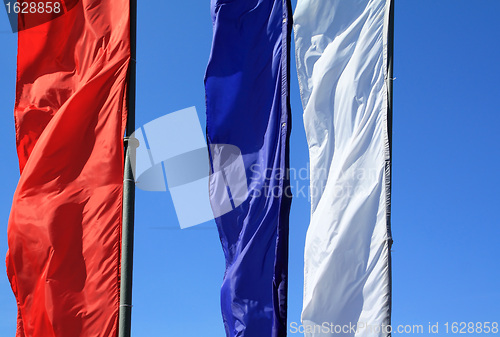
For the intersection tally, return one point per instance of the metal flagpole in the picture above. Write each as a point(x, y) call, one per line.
point(390, 80)
point(125, 316)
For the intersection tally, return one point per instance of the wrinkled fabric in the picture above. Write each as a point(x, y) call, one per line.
point(341, 50)
point(64, 228)
point(247, 95)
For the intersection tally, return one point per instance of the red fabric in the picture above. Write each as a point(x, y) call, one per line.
point(64, 227)
point(45, 11)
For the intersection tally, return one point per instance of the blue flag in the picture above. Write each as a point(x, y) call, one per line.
point(247, 96)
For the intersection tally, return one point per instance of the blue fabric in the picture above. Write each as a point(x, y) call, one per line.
point(248, 106)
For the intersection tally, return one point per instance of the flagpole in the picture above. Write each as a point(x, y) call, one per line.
point(390, 80)
point(125, 314)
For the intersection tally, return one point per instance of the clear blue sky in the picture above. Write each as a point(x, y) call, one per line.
point(446, 160)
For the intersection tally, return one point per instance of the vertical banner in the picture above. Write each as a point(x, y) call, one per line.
point(343, 59)
point(247, 93)
point(70, 113)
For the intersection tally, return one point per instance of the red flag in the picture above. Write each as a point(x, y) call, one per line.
point(64, 228)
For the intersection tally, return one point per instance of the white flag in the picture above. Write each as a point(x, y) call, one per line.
point(342, 62)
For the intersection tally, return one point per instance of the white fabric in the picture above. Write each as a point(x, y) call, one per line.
point(341, 48)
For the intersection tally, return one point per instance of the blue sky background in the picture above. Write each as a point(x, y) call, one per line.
point(446, 160)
